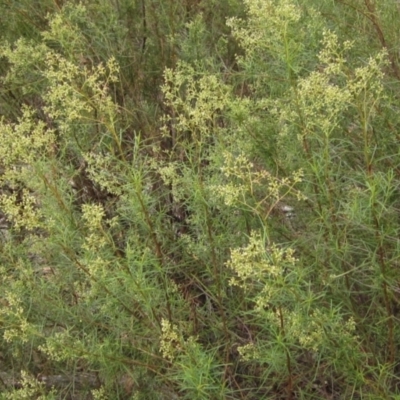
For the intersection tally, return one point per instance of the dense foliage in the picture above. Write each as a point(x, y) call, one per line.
point(199, 199)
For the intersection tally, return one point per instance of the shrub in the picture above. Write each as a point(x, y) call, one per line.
point(199, 205)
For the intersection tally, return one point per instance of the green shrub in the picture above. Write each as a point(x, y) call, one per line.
point(199, 200)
